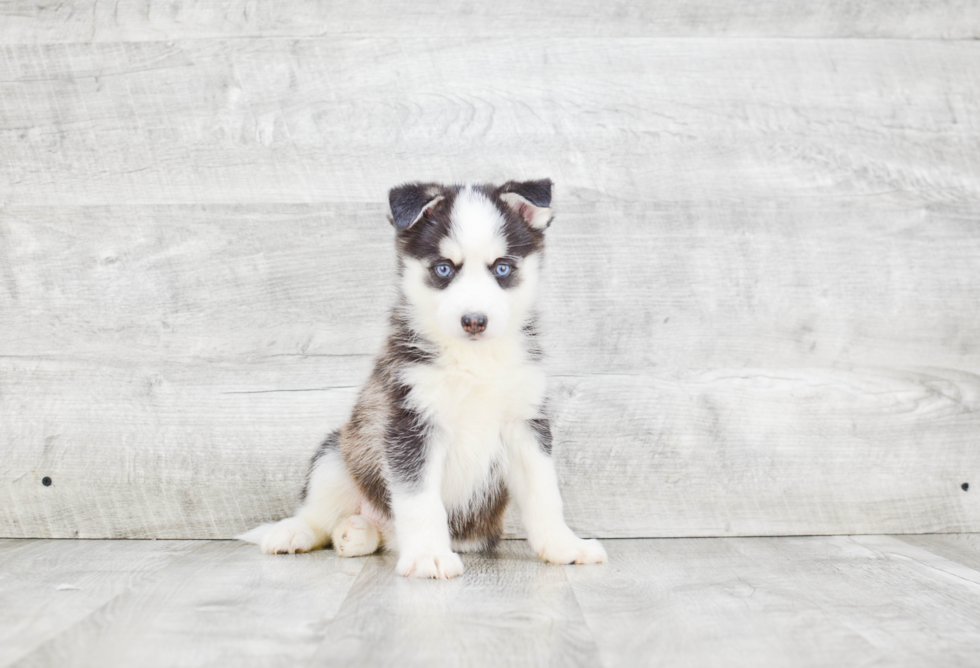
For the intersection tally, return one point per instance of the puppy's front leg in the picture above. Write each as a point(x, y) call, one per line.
point(533, 482)
point(420, 519)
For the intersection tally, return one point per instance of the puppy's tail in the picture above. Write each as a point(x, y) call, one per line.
point(256, 535)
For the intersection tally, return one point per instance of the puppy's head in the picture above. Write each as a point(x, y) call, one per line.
point(469, 255)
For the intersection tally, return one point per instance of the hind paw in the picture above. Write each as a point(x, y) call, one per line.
point(289, 536)
point(355, 537)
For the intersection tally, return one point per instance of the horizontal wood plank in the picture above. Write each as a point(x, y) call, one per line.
point(508, 608)
point(343, 119)
point(170, 452)
point(963, 548)
point(224, 603)
point(761, 308)
point(677, 285)
point(156, 354)
point(209, 450)
point(46, 587)
point(759, 602)
point(871, 601)
point(750, 370)
point(148, 20)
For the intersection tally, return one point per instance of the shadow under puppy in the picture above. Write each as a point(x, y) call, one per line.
point(451, 423)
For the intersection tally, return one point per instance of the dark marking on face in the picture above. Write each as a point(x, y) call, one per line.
point(421, 240)
point(441, 273)
point(506, 279)
point(542, 429)
point(522, 239)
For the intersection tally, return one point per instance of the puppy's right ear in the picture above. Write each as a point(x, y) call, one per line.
point(531, 200)
point(410, 201)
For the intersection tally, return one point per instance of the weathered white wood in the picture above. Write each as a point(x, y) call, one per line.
point(893, 547)
point(48, 586)
point(769, 452)
point(762, 307)
point(86, 21)
point(506, 609)
point(760, 602)
point(635, 120)
point(210, 449)
point(222, 604)
point(766, 372)
point(148, 451)
point(216, 283)
point(702, 602)
point(923, 613)
point(775, 283)
point(873, 601)
point(962, 548)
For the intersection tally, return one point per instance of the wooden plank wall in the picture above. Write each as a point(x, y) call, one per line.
point(763, 304)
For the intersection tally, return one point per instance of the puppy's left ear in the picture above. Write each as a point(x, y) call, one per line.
point(531, 200)
point(410, 201)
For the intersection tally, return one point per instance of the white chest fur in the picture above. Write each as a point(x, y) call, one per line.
point(470, 398)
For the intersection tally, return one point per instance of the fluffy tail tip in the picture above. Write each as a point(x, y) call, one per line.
point(255, 535)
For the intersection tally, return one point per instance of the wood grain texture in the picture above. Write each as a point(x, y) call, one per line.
point(759, 602)
point(46, 587)
point(691, 602)
point(89, 21)
point(144, 451)
point(207, 450)
point(221, 604)
point(761, 308)
point(341, 119)
point(509, 608)
point(677, 285)
point(870, 601)
point(917, 594)
point(768, 369)
point(962, 548)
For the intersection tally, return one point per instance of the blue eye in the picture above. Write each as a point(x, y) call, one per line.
point(502, 270)
point(443, 270)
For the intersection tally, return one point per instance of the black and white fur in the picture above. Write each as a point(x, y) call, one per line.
point(452, 422)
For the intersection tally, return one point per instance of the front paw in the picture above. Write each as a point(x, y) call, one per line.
point(573, 551)
point(444, 565)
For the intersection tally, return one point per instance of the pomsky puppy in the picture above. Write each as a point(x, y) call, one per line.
point(452, 421)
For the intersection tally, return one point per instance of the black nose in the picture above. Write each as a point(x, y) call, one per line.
point(474, 323)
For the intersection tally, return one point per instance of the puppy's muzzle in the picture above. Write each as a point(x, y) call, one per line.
point(474, 323)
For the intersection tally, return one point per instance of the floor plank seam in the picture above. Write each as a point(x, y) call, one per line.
point(82, 620)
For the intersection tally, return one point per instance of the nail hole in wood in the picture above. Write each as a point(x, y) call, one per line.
point(46, 481)
point(965, 486)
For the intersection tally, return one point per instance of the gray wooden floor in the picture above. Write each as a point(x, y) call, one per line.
point(820, 601)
